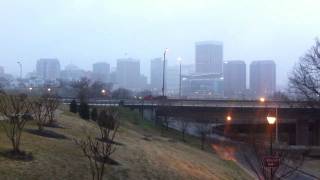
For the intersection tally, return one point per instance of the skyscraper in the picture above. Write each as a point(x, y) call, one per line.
point(234, 74)
point(48, 69)
point(263, 78)
point(128, 73)
point(1, 71)
point(156, 73)
point(101, 71)
point(172, 79)
point(209, 56)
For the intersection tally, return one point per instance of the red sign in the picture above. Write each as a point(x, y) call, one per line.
point(271, 161)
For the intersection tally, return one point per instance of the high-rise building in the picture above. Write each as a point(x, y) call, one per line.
point(172, 80)
point(72, 72)
point(101, 71)
point(263, 78)
point(234, 74)
point(187, 69)
point(128, 73)
point(156, 68)
point(209, 57)
point(1, 71)
point(48, 69)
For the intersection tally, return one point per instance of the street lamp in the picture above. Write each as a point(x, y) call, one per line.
point(271, 121)
point(49, 90)
point(164, 69)
point(103, 92)
point(228, 118)
point(263, 100)
point(179, 61)
point(30, 89)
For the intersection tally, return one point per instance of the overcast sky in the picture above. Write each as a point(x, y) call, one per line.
point(86, 31)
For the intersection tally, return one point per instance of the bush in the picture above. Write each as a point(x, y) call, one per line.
point(73, 106)
point(94, 114)
point(84, 111)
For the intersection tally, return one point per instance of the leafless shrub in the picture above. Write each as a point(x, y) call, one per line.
point(51, 104)
point(108, 122)
point(98, 152)
point(15, 112)
point(40, 112)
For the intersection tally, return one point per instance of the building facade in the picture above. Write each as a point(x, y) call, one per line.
point(209, 57)
point(1, 71)
point(48, 69)
point(128, 73)
point(234, 74)
point(263, 78)
point(156, 68)
point(172, 80)
point(202, 86)
point(101, 71)
point(72, 73)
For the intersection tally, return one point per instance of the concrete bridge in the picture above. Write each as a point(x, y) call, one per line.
point(298, 120)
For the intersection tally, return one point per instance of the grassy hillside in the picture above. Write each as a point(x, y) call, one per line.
point(145, 154)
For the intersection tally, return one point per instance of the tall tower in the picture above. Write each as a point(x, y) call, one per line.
point(209, 57)
point(48, 69)
point(156, 73)
point(263, 77)
point(234, 73)
point(101, 71)
point(128, 73)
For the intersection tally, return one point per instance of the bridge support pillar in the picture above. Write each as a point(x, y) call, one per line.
point(149, 114)
point(302, 132)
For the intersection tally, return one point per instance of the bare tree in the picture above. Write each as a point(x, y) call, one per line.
point(254, 150)
point(98, 152)
point(51, 104)
point(305, 78)
point(203, 129)
point(40, 112)
point(83, 88)
point(108, 122)
point(183, 124)
point(15, 112)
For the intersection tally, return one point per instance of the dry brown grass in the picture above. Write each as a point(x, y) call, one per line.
point(156, 158)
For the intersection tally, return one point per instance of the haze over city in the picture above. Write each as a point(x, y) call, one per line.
point(83, 32)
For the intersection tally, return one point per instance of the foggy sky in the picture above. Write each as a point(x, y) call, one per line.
point(85, 31)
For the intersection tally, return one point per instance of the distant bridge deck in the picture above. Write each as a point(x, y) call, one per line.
point(204, 103)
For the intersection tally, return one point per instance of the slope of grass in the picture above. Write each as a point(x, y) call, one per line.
point(145, 154)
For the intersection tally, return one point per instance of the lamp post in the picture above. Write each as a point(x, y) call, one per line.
point(164, 70)
point(263, 100)
point(271, 121)
point(179, 61)
point(277, 127)
point(103, 92)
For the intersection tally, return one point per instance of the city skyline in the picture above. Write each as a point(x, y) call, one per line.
point(83, 32)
